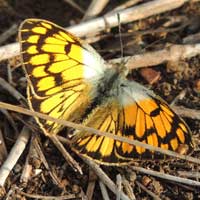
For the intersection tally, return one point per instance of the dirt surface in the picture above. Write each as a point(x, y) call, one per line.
point(168, 80)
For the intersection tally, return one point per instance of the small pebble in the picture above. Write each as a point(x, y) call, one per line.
point(150, 75)
point(197, 86)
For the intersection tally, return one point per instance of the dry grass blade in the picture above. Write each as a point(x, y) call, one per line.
point(27, 170)
point(119, 186)
point(74, 5)
point(36, 146)
point(126, 5)
point(37, 196)
point(172, 53)
point(14, 155)
point(155, 197)
point(104, 191)
point(91, 184)
point(10, 119)
point(3, 149)
point(128, 188)
point(5, 85)
point(104, 178)
point(187, 112)
point(65, 154)
point(95, 8)
point(97, 132)
point(166, 176)
point(11, 31)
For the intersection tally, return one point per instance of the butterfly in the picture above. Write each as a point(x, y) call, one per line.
point(68, 79)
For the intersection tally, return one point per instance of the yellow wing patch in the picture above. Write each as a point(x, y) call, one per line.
point(54, 66)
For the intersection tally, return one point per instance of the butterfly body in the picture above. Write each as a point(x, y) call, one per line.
point(68, 79)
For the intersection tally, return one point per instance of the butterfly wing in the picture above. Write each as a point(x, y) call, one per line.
point(61, 71)
point(136, 114)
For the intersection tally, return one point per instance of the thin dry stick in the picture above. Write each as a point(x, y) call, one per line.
point(74, 5)
point(103, 177)
point(3, 149)
point(191, 39)
point(26, 173)
point(119, 186)
point(97, 132)
point(128, 188)
point(127, 4)
point(189, 174)
point(5, 85)
point(91, 184)
point(10, 119)
point(110, 20)
point(14, 154)
point(166, 176)
point(139, 12)
point(104, 191)
point(66, 155)
point(95, 8)
point(172, 53)
point(37, 196)
point(9, 51)
point(187, 112)
point(90, 189)
point(155, 197)
point(9, 32)
point(36, 147)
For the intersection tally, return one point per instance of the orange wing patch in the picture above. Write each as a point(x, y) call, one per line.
point(156, 125)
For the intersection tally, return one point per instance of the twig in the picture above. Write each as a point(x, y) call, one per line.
point(74, 5)
point(97, 132)
point(91, 184)
point(3, 150)
point(10, 119)
point(5, 85)
point(172, 53)
point(66, 155)
point(166, 176)
point(9, 51)
point(9, 194)
point(139, 12)
point(189, 174)
point(180, 96)
point(128, 188)
point(104, 191)
point(191, 39)
point(126, 5)
point(26, 173)
point(14, 155)
point(128, 15)
point(10, 78)
point(119, 186)
point(103, 177)
point(95, 8)
point(9, 32)
point(38, 151)
point(36, 196)
point(187, 112)
point(155, 197)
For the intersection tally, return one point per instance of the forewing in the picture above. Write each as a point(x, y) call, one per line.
point(60, 69)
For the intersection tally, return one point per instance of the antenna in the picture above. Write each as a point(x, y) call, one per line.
point(120, 35)
point(122, 67)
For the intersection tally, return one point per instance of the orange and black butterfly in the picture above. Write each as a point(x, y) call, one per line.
point(67, 79)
